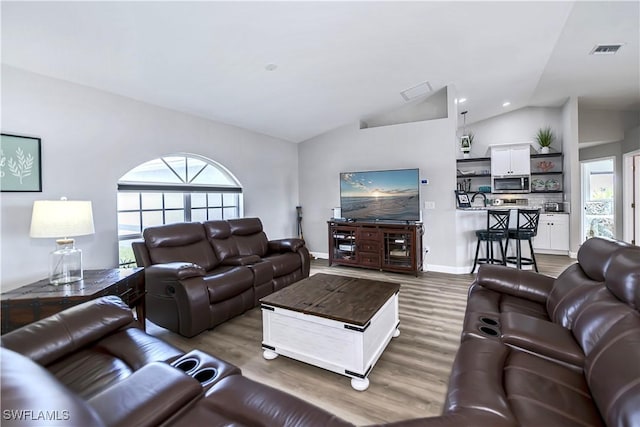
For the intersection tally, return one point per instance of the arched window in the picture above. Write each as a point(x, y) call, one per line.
point(174, 188)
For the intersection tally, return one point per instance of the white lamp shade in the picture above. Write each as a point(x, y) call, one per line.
point(61, 218)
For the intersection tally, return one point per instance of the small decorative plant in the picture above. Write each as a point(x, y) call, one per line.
point(545, 138)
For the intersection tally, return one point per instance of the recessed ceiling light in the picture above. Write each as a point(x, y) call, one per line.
point(271, 67)
point(506, 104)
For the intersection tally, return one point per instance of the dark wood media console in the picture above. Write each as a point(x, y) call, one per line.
point(382, 246)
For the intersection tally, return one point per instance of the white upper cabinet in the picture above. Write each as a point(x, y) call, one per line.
point(510, 160)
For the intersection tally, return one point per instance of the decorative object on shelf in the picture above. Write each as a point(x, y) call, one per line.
point(545, 166)
point(538, 185)
point(484, 189)
point(545, 138)
point(552, 185)
point(62, 218)
point(465, 185)
point(20, 163)
point(463, 199)
point(466, 172)
point(467, 138)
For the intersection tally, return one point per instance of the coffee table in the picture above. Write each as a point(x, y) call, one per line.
point(342, 324)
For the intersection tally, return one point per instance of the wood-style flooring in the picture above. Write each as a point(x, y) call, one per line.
point(410, 378)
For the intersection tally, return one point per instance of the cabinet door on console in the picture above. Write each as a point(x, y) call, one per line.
point(342, 244)
point(398, 251)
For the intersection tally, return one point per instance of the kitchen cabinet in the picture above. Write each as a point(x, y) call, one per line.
point(510, 159)
point(553, 234)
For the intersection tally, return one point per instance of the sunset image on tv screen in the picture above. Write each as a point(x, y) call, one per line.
point(380, 195)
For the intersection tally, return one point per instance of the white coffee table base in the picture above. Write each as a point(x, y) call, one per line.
point(360, 384)
point(346, 349)
point(269, 355)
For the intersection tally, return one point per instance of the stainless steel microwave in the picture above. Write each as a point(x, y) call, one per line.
point(511, 184)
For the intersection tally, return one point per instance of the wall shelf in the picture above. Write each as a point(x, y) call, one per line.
point(476, 159)
point(546, 173)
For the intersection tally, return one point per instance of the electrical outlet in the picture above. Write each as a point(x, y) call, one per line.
point(429, 205)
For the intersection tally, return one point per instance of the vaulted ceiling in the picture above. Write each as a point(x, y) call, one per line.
point(294, 70)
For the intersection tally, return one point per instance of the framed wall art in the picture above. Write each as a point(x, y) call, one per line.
point(20, 163)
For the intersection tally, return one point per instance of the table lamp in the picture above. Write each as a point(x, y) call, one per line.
point(62, 219)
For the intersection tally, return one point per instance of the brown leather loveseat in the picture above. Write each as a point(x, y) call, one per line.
point(198, 275)
point(91, 366)
point(538, 351)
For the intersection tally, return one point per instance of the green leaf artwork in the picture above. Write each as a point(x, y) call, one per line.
point(20, 163)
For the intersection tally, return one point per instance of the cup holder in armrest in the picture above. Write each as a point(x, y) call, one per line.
point(205, 368)
point(187, 365)
point(488, 321)
point(206, 375)
point(489, 331)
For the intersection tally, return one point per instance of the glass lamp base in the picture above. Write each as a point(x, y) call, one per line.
point(65, 263)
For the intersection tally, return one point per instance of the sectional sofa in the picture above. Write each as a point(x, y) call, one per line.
point(538, 351)
point(199, 275)
point(535, 351)
point(90, 366)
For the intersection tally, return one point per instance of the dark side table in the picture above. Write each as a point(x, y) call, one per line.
point(40, 299)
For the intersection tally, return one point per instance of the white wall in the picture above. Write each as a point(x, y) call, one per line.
point(427, 145)
point(602, 126)
point(571, 167)
point(515, 126)
point(91, 138)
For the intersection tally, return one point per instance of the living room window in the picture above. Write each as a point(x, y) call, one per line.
point(170, 189)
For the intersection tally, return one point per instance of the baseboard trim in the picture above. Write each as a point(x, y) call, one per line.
point(321, 255)
point(446, 269)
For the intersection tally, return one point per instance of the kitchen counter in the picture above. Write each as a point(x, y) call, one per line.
point(506, 208)
point(468, 220)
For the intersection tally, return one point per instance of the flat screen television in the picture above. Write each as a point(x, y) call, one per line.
point(392, 195)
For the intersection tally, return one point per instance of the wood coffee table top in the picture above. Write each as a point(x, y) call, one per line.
point(344, 299)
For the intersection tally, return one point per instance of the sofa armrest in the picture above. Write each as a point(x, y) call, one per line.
point(286, 245)
point(524, 284)
point(174, 271)
point(29, 388)
point(242, 260)
point(541, 337)
point(185, 290)
point(55, 336)
point(147, 397)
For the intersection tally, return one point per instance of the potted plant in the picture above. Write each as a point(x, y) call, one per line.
point(465, 144)
point(545, 138)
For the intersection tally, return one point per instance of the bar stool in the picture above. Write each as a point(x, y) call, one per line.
point(496, 231)
point(526, 229)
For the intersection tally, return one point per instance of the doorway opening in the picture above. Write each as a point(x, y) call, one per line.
point(598, 198)
point(631, 197)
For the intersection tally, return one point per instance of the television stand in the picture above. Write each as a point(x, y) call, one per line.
point(390, 246)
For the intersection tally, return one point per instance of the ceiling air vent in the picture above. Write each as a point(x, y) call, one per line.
point(606, 49)
point(416, 91)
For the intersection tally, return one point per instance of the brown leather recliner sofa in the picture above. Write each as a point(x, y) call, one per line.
point(91, 366)
point(538, 351)
point(198, 275)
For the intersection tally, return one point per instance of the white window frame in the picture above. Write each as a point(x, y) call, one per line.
point(186, 187)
